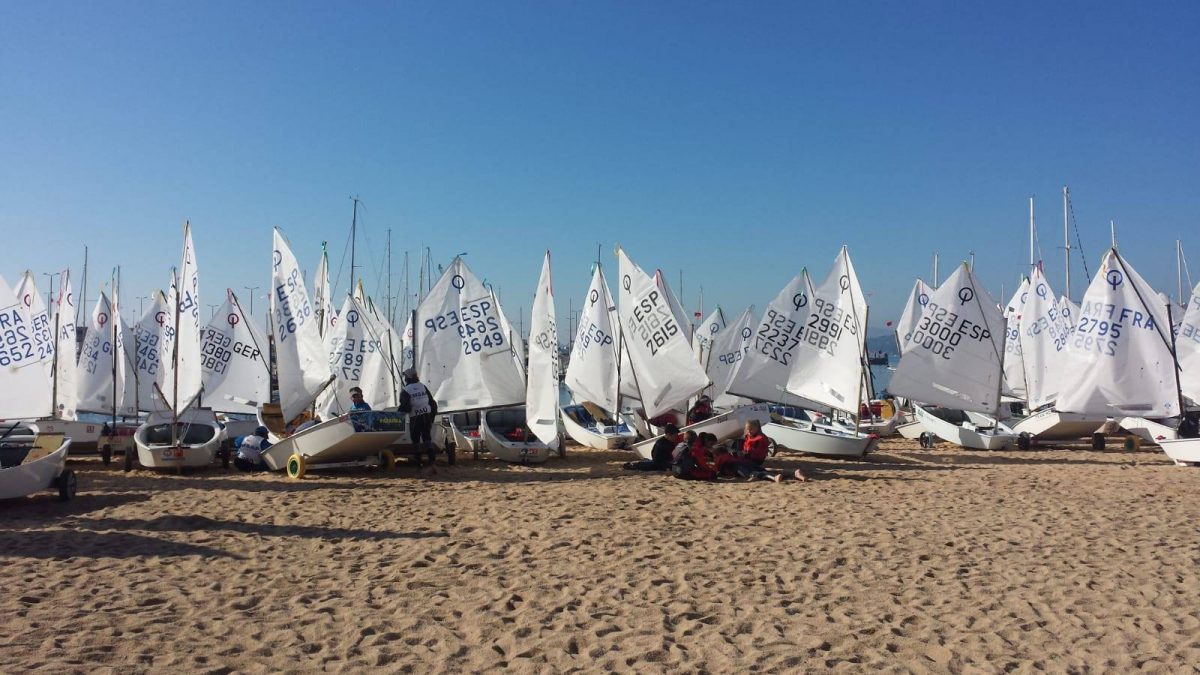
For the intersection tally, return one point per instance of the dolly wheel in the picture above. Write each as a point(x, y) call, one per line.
point(1024, 440)
point(128, 463)
point(106, 454)
point(387, 460)
point(562, 448)
point(67, 485)
point(451, 455)
point(1132, 443)
point(1097, 441)
point(295, 467)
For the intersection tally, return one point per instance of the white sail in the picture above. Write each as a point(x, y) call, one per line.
point(65, 375)
point(518, 341)
point(406, 361)
point(1187, 346)
point(1119, 360)
point(706, 333)
point(764, 372)
point(541, 393)
point(39, 321)
point(728, 353)
point(302, 362)
point(1043, 339)
point(955, 350)
point(1014, 360)
point(127, 394)
point(95, 384)
point(322, 301)
point(592, 372)
point(359, 360)
point(463, 353)
point(148, 335)
point(829, 365)
point(912, 311)
point(24, 387)
point(664, 367)
point(233, 350)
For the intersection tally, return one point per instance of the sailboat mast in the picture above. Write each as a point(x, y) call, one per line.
point(54, 362)
point(114, 312)
point(175, 364)
point(390, 315)
point(84, 296)
point(353, 237)
point(1178, 272)
point(1066, 243)
point(1032, 232)
point(935, 269)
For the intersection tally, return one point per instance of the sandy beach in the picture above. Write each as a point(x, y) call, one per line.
point(914, 561)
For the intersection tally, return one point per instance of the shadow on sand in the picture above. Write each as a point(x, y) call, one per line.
point(206, 524)
point(65, 544)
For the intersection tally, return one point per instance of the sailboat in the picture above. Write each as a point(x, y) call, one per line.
point(591, 418)
point(184, 434)
point(48, 327)
point(955, 359)
point(303, 367)
point(236, 374)
point(466, 356)
point(1186, 450)
point(541, 392)
point(725, 355)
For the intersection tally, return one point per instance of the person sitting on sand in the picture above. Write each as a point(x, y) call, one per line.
point(660, 454)
point(733, 466)
point(695, 464)
point(250, 449)
point(755, 449)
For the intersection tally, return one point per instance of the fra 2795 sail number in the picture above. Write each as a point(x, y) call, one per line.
point(652, 322)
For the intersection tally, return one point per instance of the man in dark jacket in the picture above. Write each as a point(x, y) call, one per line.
point(418, 402)
point(660, 454)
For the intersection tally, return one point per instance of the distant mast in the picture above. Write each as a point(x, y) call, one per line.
point(1066, 244)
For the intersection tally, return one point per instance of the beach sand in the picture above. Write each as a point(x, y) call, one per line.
point(917, 560)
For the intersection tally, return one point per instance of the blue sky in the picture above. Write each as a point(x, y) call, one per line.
point(735, 142)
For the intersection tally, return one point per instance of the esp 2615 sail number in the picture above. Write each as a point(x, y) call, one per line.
point(652, 321)
point(478, 326)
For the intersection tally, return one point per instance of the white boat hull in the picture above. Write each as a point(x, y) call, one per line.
point(911, 430)
point(331, 442)
point(884, 428)
point(35, 476)
point(1183, 451)
point(1052, 425)
point(818, 439)
point(1149, 430)
point(198, 440)
point(84, 436)
point(724, 426)
point(528, 451)
point(973, 439)
point(597, 436)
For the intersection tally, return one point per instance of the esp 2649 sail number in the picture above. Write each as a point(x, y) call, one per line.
point(652, 322)
point(478, 326)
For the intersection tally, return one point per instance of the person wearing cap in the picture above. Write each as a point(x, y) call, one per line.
point(356, 399)
point(250, 449)
point(418, 402)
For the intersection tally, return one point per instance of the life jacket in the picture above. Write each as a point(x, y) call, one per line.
point(418, 396)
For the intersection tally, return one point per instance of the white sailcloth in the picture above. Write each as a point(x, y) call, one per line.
point(127, 401)
point(829, 366)
point(65, 375)
point(664, 366)
point(95, 384)
point(359, 360)
point(1014, 360)
point(541, 393)
point(592, 372)
point(706, 334)
point(24, 387)
point(1119, 360)
point(464, 355)
point(237, 378)
point(148, 335)
point(322, 300)
point(184, 383)
point(1187, 347)
point(954, 353)
point(729, 352)
point(912, 311)
point(1043, 339)
point(39, 321)
point(763, 375)
point(518, 341)
point(302, 362)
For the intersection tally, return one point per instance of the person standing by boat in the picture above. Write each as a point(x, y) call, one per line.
point(250, 449)
point(418, 402)
point(660, 454)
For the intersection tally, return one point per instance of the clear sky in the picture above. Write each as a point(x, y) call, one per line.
point(738, 142)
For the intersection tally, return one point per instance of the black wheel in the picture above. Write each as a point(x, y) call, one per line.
point(225, 458)
point(106, 454)
point(451, 455)
point(1097, 441)
point(129, 459)
point(1024, 440)
point(926, 442)
point(67, 485)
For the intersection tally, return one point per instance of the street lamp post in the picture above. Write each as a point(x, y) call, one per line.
point(212, 310)
point(50, 302)
point(250, 290)
point(141, 303)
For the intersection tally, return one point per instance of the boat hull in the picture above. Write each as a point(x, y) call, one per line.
point(35, 476)
point(197, 443)
point(332, 442)
point(1052, 425)
point(597, 436)
point(85, 436)
point(818, 439)
point(1149, 430)
point(491, 428)
point(962, 436)
point(723, 426)
point(911, 430)
point(1183, 451)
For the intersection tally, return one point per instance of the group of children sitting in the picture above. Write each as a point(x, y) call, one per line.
point(695, 456)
